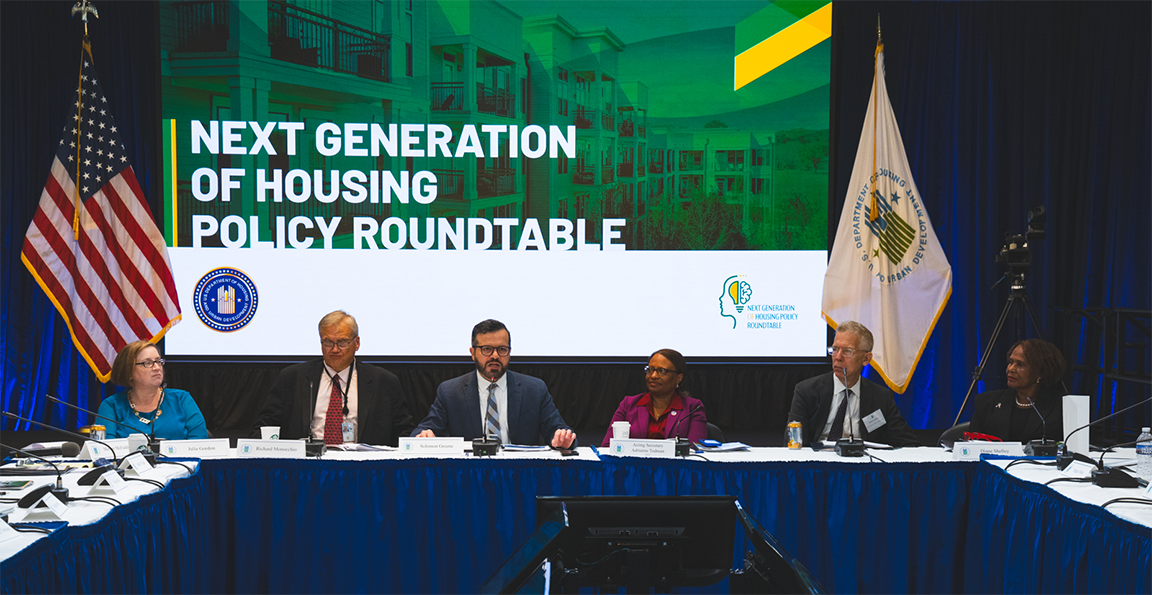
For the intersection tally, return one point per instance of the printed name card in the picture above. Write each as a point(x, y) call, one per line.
point(971, 451)
point(432, 446)
point(135, 465)
point(94, 450)
point(198, 449)
point(653, 449)
point(53, 510)
point(1078, 469)
point(270, 449)
point(108, 483)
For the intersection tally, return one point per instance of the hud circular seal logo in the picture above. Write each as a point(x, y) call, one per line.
point(225, 299)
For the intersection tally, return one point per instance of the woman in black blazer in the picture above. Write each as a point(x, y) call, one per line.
point(1015, 414)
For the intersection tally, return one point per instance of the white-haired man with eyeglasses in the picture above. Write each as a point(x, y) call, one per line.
point(336, 398)
point(492, 401)
point(842, 404)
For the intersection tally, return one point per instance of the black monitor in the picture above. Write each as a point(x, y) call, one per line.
point(769, 568)
point(640, 542)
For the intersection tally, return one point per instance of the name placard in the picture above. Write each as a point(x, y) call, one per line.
point(199, 449)
point(653, 449)
point(432, 446)
point(94, 450)
point(270, 449)
point(971, 451)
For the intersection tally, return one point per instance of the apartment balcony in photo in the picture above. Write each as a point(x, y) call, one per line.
point(584, 117)
point(656, 167)
point(608, 121)
point(584, 177)
point(624, 170)
point(300, 36)
point(449, 183)
point(495, 181)
point(627, 128)
point(202, 26)
point(495, 101)
point(607, 174)
point(447, 97)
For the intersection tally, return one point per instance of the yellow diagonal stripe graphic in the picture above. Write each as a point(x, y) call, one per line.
point(765, 56)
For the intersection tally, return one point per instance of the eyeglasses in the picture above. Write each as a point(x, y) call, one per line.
point(328, 344)
point(846, 351)
point(659, 372)
point(487, 350)
point(148, 363)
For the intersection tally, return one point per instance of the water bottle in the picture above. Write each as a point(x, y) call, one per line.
point(1144, 453)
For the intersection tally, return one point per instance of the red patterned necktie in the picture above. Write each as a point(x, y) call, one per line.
point(333, 433)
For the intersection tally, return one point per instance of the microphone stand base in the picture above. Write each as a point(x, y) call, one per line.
point(1041, 448)
point(485, 447)
point(1110, 477)
point(683, 447)
point(315, 448)
point(850, 448)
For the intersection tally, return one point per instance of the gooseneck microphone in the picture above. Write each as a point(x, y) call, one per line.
point(1064, 459)
point(1113, 477)
point(486, 446)
point(1041, 448)
point(115, 459)
point(153, 446)
point(850, 447)
point(683, 446)
point(58, 490)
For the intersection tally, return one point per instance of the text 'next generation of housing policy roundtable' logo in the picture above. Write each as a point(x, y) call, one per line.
point(736, 303)
point(225, 299)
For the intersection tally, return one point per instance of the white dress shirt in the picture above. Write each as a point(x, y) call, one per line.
point(851, 417)
point(501, 403)
point(324, 391)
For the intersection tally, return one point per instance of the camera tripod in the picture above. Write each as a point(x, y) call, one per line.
point(1017, 300)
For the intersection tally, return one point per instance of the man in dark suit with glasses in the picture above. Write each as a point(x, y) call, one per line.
point(493, 401)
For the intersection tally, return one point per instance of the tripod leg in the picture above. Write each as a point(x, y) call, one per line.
point(979, 373)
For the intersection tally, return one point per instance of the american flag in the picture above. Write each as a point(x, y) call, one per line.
point(105, 264)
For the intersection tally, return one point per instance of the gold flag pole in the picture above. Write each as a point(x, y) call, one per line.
point(84, 7)
point(872, 214)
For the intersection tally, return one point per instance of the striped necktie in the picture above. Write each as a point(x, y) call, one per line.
point(492, 417)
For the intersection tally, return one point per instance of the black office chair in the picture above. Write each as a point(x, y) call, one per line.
point(715, 433)
point(951, 435)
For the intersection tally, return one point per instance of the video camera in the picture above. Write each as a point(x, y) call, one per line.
point(1016, 255)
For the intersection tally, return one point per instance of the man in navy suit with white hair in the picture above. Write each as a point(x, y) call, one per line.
point(493, 401)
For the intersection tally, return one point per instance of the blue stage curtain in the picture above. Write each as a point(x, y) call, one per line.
point(1022, 538)
point(1002, 106)
point(41, 45)
point(410, 526)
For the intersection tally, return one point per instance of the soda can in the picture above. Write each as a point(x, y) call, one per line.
point(795, 437)
point(98, 432)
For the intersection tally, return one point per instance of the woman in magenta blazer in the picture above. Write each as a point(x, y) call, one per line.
point(664, 411)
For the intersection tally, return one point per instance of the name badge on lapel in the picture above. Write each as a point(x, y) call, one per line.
point(874, 420)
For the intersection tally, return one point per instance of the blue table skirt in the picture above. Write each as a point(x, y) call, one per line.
point(153, 545)
point(1024, 538)
point(407, 526)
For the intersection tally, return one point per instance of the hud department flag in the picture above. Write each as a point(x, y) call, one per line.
point(887, 270)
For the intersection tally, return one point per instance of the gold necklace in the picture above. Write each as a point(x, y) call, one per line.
point(155, 415)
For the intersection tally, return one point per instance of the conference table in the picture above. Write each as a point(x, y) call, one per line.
point(907, 520)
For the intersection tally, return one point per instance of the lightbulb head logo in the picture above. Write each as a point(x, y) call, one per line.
point(735, 293)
